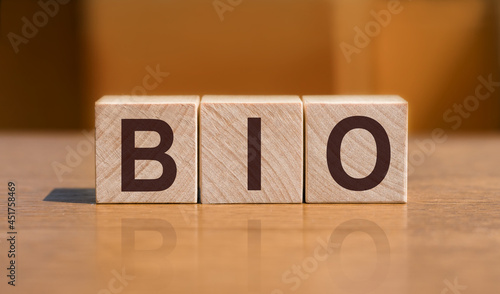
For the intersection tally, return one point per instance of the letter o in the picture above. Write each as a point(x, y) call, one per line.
point(383, 153)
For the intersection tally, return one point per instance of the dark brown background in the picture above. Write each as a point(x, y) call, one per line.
point(431, 54)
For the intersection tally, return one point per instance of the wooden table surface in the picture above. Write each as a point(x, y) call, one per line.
point(445, 240)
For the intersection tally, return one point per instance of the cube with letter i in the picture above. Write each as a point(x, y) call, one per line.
point(356, 149)
point(251, 149)
point(146, 149)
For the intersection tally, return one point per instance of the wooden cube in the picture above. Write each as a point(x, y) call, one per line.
point(251, 149)
point(356, 149)
point(146, 149)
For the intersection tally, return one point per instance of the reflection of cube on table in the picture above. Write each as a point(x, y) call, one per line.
point(251, 149)
point(146, 149)
point(356, 149)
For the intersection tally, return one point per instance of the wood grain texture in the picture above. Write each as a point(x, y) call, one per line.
point(224, 149)
point(180, 113)
point(449, 229)
point(358, 150)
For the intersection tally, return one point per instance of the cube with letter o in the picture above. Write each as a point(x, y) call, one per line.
point(356, 149)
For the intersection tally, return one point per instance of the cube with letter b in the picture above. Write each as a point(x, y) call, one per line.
point(146, 149)
point(356, 149)
point(251, 149)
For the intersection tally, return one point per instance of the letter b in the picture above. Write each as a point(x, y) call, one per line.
point(130, 154)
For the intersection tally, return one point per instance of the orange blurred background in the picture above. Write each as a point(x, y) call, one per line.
point(432, 53)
